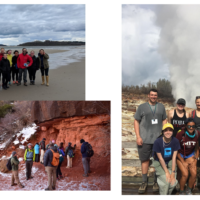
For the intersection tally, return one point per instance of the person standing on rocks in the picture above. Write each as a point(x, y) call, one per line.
point(42, 147)
point(23, 61)
point(15, 70)
point(37, 152)
point(49, 168)
point(44, 66)
point(149, 119)
point(85, 157)
point(165, 150)
point(61, 159)
point(15, 174)
point(29, 157)
point(70, 154)
point(178, 116)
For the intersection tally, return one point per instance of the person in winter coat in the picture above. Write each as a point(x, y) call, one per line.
point(15, 174)
point(49, 168)
point(37, 152)
point(61, 146)
point(69, 152)
point(61, 159)
point(9, 57)
point(1, 56)
point(29, 157)
point(5, 70)
point(44, 65)
point(23, 61)
point(85, 158)
point(33, 68)
point(14, 68)
point(48, 145)
point(42, 147)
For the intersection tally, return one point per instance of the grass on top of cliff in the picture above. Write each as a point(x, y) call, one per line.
point(4, 109)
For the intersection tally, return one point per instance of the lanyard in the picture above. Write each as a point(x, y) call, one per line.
point(152, 110)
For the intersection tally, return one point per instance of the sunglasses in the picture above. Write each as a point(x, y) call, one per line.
point(191, 126)
point(197, 97)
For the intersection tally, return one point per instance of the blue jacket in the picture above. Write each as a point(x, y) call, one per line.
point(37, 149)
point(83, 149)
point(48, 156)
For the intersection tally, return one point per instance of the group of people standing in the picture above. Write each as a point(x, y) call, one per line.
point(14, 67)
point(169, 141)
point(52, 157)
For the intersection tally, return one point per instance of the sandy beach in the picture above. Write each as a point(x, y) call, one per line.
point(65, 83)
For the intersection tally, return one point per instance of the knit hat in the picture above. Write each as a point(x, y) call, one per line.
point(82, 140)
point(29, 144)
point(44, 139)
point(53, 141)
point(69, 143)
point(190, 119)
point(13, 153)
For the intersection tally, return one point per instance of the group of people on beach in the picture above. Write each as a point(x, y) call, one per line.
point(170, 142)
point(52, 157)
point(17, 66)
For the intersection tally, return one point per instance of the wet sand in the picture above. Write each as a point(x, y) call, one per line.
point(65, 83)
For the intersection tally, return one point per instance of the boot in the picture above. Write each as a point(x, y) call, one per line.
point(42, 80)
point(47, 80)
point(33, 82)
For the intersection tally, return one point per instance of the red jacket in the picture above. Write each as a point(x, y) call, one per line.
point(23, 59)
point(1, 56)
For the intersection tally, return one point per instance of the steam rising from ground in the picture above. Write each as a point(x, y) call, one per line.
point(179, 44)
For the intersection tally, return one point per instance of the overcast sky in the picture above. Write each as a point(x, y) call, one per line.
point(25, 23)
point(141, 61)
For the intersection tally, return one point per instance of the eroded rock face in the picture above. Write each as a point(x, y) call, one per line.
point(47, 110)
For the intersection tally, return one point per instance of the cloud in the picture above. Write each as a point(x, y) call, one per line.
point(141, 61)
point(41, 22)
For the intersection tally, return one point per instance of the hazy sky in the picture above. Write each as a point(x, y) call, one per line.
point(141, 61)
point(25, 23)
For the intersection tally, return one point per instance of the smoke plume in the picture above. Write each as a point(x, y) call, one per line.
point(179, 44)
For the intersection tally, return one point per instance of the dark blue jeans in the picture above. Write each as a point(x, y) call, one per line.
point(24, 71)
point(46, 71)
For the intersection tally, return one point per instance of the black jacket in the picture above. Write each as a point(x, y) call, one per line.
point(35, 64)
point(14, 61)
point(42, 145)
point(48, 156)
point(5, 66)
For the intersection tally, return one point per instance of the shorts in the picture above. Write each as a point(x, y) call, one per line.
point(145, 152)
point(190, 155)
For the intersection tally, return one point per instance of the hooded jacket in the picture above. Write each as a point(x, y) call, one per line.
point(84, 149)
point(5, 66)
point(35, 64)
point(14, 61)
point(22, 59)
point(9, 57)
point(14, 162)
point(37, 149)
point(48, 157)
point(44, 59)
point(29, 155)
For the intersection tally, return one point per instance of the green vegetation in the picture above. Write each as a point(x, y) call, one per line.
point(163, 86)
point(4, 109)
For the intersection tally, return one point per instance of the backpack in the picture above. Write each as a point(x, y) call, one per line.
point(89, 150)
point(55, 159)
point(193, 114)
point(70, 153)
point(8, 165)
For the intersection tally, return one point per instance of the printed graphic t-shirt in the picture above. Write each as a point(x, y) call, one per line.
point(190, 143)
point(166, 149)
point(148, 131)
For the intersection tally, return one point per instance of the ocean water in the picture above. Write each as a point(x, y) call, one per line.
point(71, 55)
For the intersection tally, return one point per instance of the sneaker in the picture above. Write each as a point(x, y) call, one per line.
point(25, 84)
point(7, 87)
point(14, 184)
point(13, 82)
point(21, 186)
point(188, 192)
point(142, 188)
point(4, 88)
point(47, 189)
point(31, 177)
point(33, 82)
point(53, 187)
point(85, 175)
point(18, 84)
point(155, 187)
point(182, 193)
point(9, 83)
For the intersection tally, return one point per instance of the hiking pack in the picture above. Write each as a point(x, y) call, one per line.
point(55, 160)
point(89, 150)
point(70, 153)
point(8, 165)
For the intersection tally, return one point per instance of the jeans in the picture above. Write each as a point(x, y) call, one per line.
point(86, 164)
point(58, 170)
point(24, 71)
point(29, 165)
point(32, 73)
point(46, 71)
